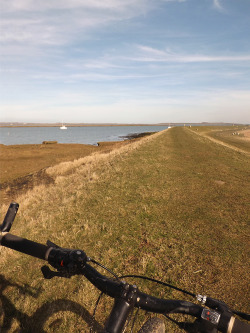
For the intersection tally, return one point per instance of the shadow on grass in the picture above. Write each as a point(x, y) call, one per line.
point(37, 321)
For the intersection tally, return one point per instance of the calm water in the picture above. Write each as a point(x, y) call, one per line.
point(86, 135)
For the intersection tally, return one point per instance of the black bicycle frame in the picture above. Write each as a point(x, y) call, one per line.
point(118, 316)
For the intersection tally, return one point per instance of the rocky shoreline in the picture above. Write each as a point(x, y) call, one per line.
point(136, 135)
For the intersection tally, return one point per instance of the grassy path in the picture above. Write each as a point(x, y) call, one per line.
point(227, 145)
point(175, 208)
point(236, 138)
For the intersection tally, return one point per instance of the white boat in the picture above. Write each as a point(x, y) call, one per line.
point(63, 127)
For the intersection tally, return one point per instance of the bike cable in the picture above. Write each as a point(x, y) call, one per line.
point(243, 315)
point(107, 269)
point(159, 282)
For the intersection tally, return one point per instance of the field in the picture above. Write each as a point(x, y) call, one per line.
point(173, 206)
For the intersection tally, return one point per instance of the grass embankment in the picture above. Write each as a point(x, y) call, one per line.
point(23, 166)
point(173, 206)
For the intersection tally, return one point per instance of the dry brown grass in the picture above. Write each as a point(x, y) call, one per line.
point(20, 160)
point(23, 167)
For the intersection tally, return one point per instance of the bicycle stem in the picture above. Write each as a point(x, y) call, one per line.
point(121, 309)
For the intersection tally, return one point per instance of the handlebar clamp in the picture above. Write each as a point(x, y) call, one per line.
point(129, 292)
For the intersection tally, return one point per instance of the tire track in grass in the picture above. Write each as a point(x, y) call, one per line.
point(204, 135)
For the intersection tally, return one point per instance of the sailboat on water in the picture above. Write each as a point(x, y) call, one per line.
point(63, 127)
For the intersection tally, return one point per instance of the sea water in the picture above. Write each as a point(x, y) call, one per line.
point(84, 135)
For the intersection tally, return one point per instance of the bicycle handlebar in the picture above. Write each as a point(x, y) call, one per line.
point(143, 301)
point(24, 245)
point(9, 217)
point(75, 262)
point(110, 287)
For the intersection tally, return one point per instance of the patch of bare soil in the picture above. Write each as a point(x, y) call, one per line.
point(10, 190)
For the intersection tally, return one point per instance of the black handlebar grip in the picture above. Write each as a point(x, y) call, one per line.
point(25, 246)
point(238, 326)
point(9, 217)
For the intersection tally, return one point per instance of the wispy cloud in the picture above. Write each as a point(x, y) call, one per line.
point(58, 21)
point(111, 5)
point(173, 0)
point(149, 54)
point(33, 5)
point(94, 76)
point(218, 6)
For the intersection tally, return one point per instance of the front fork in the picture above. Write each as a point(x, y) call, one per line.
point(121, 309)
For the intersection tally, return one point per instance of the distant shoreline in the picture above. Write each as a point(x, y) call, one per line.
point(17, 124)
point(70, 125)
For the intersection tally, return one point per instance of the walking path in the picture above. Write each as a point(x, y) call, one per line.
point(246, 135)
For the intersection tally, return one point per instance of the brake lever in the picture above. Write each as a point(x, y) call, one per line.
point(51, 244)
point(49, 274)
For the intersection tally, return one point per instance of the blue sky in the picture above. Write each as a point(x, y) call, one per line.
point(125, 61)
